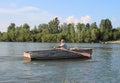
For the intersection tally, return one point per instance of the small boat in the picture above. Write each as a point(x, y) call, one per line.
point(58, 54)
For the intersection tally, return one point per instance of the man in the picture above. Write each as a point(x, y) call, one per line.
point(62, 45)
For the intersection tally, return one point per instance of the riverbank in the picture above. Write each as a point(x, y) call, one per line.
point(113, 42)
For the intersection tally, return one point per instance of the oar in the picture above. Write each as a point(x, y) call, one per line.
point(84, 54)
point(79, 53)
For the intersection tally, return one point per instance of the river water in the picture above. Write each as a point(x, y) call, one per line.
point(104, 67)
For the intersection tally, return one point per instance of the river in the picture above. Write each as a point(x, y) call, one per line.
point(104, 67)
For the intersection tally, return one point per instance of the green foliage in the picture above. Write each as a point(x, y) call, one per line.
point(43, 28)
point(54, 26)
point(53, 32)
point(4, 36)
point(105, 30)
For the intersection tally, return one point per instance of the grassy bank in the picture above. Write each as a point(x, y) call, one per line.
point(117, 41)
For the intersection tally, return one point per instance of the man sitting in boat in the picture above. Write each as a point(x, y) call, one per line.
point(62, 45)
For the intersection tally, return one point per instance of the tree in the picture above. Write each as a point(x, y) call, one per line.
point(11, 27)
point(105, 29)
point(54, 26)
point(43, 28)
point(118, 33)
point(71, 33)
point(11, 32)
point(23, 33)
point(4, 36)
point(0, 36)
point(80, 32)
point(53, 32)
point(64, 28)
point(34, 30)
point(94, 32)
point(87, 26)
point(115, 34)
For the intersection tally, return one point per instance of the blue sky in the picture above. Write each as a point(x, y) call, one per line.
point(35, 12)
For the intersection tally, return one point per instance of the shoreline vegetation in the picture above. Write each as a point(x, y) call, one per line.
point(54, 31)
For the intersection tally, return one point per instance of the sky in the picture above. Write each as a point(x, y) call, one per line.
point(35, 12)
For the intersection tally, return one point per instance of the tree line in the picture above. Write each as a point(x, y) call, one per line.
point(53, 31)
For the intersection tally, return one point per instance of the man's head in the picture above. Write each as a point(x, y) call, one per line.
point(62, 40)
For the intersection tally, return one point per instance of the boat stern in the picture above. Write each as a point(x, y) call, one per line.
point(26, 56)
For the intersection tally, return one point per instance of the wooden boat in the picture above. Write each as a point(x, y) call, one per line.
point(58, 54)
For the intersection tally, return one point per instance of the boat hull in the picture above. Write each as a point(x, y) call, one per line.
point(58, 54)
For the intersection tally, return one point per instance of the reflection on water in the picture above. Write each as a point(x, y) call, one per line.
point(103, 67)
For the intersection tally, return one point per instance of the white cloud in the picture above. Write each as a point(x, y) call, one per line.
point(85, 19)
point(29, 14)
point(12, 4)
point(115, 22)
point(72, 19)
point(18, 10)
point(3, 26)
point(28, 8)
